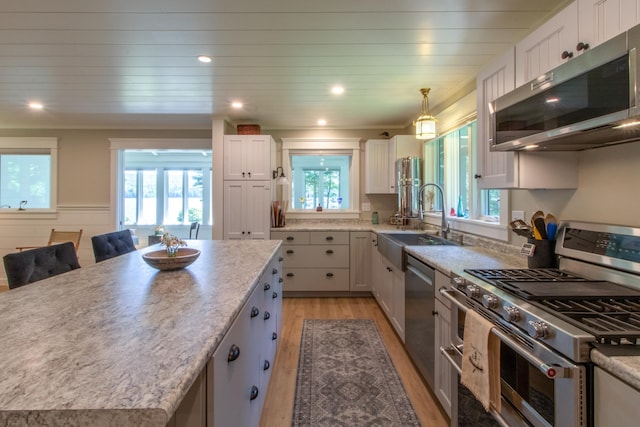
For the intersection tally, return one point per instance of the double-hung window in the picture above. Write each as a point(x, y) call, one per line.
point(28, 170)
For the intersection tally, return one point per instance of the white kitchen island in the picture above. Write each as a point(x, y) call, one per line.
point(119, 343)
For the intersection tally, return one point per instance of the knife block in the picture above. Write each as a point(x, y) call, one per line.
point(544, 255)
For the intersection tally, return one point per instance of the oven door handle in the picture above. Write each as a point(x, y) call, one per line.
point(550, 371)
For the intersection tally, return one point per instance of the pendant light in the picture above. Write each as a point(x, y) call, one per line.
point(426, 123)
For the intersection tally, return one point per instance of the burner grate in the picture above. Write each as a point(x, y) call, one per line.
point(494, 276)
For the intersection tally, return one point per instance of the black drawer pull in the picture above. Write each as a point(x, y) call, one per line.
point(254, 393)
point(274, 271)
point(329, 238)
point(255, 312)
point(234, 353)
point(266, 365)
point(274, 336)
point(290, 251)
point(267, 315)
point(329, 251)
point(280, 259)
point(267, 286)
point(290, 238)
point(274, 295)
point(280, 280)
point(329, 274)
point(289, 274)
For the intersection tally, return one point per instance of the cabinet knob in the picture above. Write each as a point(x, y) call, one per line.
point(290, 251)
point(329, 251)
point(234, 353)
point(434, 313)
point(274, 271)
point(290, 238)
point(274, 295)
point(280, 259)
point(280, 280)
point(566, 55)
point(249, 173)
point(289, 274)
point(254, 393)
point(329, 274)
point(254, 312)
point(267, 286)
point(266, 365)
point(329, 238)
point(243, 232)
point(274, 336)
point(243, 174)
point(267, 315)
point(582, 46)
point(477, 176)
point(248, 232)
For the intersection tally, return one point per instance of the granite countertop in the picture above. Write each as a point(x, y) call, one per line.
point(454, 259)
point(119, 343)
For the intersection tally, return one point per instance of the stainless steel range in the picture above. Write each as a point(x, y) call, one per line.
point(548, 320)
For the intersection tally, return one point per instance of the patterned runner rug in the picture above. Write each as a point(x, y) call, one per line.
point(346, 378)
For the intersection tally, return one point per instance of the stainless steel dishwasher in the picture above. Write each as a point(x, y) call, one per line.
point(419, 315)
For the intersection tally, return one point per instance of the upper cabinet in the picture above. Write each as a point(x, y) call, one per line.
point(249, 157)
point(515, 169)
point(600, 20)
point(380, 161)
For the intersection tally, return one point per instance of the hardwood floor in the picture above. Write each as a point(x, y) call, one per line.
point(279, 402)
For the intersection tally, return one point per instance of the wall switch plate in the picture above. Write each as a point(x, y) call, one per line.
point(517, 215)
point(366, 207)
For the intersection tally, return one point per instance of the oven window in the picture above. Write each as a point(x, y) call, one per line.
point(525, 383)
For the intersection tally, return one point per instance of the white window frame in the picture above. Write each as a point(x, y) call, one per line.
point(43, 145)
point(348, 146)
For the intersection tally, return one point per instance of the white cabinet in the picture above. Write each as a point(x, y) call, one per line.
point(375, 267)
point(600, 20)
point(391, 294)
point(615, 402)
point(360, 246)
point(237, 380)
point(380, 161)
point(248, 157)
point(443, 370)
point(315, 261)
point(246, 209)
point(515, 169)
point(548, 46)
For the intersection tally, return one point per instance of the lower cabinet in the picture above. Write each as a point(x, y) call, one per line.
point(360, 261)
point(391, 294)
point(615, 402)
point(238, 373)
point(443, 370)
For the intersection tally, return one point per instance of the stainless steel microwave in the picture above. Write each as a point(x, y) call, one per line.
point(587, 102)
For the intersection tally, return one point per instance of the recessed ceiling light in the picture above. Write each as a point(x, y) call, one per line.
point(204, 58)
point(236, 104)
point(322, 122)
point(337, 90)
point(36, 106)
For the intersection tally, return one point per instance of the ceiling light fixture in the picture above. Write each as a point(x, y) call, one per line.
point(36, 106)
point(236, 104)
point(280, 179)
point(337, 90)
point(322, 122)
point(204, 58)
point(425, 124)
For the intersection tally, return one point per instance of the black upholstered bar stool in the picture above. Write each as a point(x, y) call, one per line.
point(32, 265)
point(111, 245)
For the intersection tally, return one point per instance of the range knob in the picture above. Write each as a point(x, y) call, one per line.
point(458, 282)
point(510, 313)
point(537, 329)
point(472, 291)
point(490, 301)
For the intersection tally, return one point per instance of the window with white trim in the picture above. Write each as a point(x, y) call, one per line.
point(28, 171)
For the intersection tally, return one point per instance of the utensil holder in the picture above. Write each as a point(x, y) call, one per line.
point(544, 254)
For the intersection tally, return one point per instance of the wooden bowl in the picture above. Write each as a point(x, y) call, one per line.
point(161, 261)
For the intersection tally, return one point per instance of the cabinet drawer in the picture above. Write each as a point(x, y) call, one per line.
point(316, 256)
point(329, 237)
point(316, 279)
point(291, 237)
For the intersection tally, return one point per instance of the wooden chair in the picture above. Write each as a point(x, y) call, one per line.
point(194, 226)
point(59, 237)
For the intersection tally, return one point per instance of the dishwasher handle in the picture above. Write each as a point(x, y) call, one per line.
point(429, 279)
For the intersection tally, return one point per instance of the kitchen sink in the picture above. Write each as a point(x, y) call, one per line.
point(391, 245)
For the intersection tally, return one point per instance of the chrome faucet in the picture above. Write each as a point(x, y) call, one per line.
point(444, 226)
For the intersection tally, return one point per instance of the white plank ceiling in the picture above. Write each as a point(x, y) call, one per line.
point(133, 63)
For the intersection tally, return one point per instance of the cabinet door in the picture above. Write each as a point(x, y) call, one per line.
point(360, 261)
point(397, 317)
point(600, 20)
point(258, 157)
point(442, 380)
point(615, 402)
point(377, 167)
point(494, 169)
point(544, 49)
point(234, 166)
point(386, 286)
point(234, 210)
point(258, 200)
